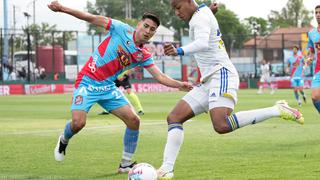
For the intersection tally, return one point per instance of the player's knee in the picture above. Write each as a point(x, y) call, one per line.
point(78, 124)
point(315, 96)
point(221, 128)
point(172, 118)
point(135, 122)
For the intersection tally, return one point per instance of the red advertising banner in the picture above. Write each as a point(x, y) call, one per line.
point(7, 90)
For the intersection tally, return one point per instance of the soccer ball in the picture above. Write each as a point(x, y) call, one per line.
point(142, 171)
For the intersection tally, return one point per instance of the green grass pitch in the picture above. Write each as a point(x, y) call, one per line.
point(274, 149)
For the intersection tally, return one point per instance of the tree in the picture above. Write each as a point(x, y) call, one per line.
point(234, 33)
point(260, 23)
point(294, 14)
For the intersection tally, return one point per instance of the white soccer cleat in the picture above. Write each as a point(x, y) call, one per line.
point(60, 150)
point(289, 113)
point(163, 175)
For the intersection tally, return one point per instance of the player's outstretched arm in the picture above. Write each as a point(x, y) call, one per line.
point(90, 18)
point(167, 81)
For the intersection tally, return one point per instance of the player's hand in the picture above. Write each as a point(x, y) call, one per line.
point(120, 78)
point(55, 6)
point(170, 50)
point(185, 86)
point(214, 7)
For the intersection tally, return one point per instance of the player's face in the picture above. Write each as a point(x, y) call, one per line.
point(145, 30)
point(295, 50)
point(183, 8)
point(317, 13)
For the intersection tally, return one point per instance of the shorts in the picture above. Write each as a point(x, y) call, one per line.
point(316, 81)
point(297, 82)
point(265, 79)
point(219, 91)
point(125, 83)
point(108, 97)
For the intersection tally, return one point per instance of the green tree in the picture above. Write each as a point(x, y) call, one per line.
point(234, 32)
point(294, 14)
point(258, 24)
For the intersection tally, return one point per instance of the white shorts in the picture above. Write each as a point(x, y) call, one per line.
point(265, 79)
point(219, 91)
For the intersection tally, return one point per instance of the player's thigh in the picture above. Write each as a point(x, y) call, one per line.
point(128, 116)
point(182, 111)
point(193, 103)
point(315, 95)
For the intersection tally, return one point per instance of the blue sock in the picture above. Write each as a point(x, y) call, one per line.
point(175, 125)
point(317, 105)
point(233, 122)
point(296, 95)
point(68, 132)
point(130, 141)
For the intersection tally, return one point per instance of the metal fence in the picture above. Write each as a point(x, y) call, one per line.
point(59, 55)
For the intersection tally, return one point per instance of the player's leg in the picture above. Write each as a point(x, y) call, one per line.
point(316, 91)
point(192, 104)
point(131, 135)
point(262, 81)
point(119, 106)
point(134, 99)
point(316, 98)
point(81, 104)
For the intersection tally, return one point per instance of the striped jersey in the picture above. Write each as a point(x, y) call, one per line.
point(114, 55)
point(296, 63)
point(314, 46)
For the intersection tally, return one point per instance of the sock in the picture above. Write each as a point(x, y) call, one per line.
point(67, 135)
point(296, 95)
point(174, 142)
point(317, 105)
point(130, 141)
point(302, 93)
point(244, 118)
point(135, 101)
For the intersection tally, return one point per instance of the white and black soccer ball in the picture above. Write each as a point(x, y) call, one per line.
point(142, 171)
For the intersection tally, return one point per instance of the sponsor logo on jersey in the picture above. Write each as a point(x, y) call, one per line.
point(123, 57)
point(78, 100)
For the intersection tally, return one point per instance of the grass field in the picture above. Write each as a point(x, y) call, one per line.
point(275, 149)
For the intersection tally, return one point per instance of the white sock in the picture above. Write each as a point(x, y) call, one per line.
point(256, 116)
point(174, 142)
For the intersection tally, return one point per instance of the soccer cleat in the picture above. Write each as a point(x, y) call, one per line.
point(140, 113)
point(304, 99)
point(163, 175)
point(60, 150)
point(125, 169)
point(289, 113)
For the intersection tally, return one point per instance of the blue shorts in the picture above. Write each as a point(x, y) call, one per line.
point(108, 97)
point(297, 82)
point(316, 81)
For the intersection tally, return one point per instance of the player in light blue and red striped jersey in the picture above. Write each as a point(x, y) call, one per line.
point(295, 68)
point(314, 52)
point(121, 49)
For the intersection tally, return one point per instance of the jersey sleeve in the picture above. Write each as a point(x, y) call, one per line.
point(201, 35)
point(116, 26)
point(310, 43)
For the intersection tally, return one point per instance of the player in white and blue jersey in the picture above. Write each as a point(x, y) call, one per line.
point(295, 68)
point(120, 50)
point(314, 52)
point(217, 93)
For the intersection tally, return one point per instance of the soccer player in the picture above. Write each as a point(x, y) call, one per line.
point(314, 51)
point(218, 91)
point(120, 50)
point(295, 67)
point(123, 80)
point(265, 77)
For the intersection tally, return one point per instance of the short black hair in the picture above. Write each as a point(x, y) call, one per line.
point(296, 46)
point(317, 7)
point(152, 16)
